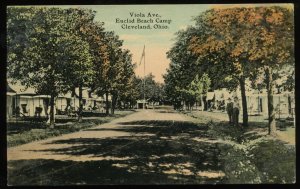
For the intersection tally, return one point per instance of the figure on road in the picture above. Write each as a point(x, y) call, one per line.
point(229, 109)
point(236, 111)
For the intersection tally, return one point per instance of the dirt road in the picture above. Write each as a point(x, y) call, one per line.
point(147, 147)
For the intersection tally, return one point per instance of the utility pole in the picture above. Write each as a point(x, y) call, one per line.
point(144, 56)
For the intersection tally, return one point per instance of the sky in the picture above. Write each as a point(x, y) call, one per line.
point(157, 41)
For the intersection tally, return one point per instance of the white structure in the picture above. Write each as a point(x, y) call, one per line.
point(257, 101)
point(62, 101)
point(24, 99)
point(30, 104)
point(89, 99)
point(10, 101)
point(42, 102)
point(141, 104)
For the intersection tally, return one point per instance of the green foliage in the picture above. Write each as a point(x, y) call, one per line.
point(61, 49)
point(49, 54)
point(114, 70)
point(154, 91)
point(200, 86)
point(275, 161)
point(183, 68)
point(233, 45)
point(238, 168)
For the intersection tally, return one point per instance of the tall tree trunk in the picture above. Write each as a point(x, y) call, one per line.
point(52, 111)
point(244, 102)
point(271, 112)
point(114, 102)
point(80, 104)
point(107, 103)
point(204, 103)
point(289, 105)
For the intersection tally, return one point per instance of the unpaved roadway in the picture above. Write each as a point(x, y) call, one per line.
point(146, 147)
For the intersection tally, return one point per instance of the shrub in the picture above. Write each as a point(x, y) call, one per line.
point(238, 168)
point(275, 161)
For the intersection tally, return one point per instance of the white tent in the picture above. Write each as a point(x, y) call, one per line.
point(24, 98)
point(63, 100)
point(210, 95)
point(10, 101)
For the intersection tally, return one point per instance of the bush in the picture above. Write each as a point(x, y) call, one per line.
point(238, 168)
point(275, 161)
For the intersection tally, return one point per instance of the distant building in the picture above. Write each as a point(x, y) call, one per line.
point(141, 103)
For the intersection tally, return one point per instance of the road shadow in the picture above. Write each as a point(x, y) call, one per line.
point(166, 111)
point(52, 172)
point(160, 152)
point(158, 127)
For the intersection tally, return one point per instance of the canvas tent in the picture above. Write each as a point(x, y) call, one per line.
point(62, 101)
point(10, 101)
point(23, 99)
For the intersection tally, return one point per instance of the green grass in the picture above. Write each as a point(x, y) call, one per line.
point(24, 132)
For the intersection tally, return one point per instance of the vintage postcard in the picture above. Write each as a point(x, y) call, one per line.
point(150, 94)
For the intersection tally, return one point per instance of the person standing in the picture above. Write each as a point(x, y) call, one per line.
point(229, 109)
point(236, 111)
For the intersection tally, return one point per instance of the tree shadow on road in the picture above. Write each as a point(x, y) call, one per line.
point(159, 152)
point(159, 127)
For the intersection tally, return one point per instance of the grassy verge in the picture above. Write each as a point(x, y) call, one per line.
point(24, 132)
point(250, 155)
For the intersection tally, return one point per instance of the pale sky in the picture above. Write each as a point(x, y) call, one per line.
point(157, 41)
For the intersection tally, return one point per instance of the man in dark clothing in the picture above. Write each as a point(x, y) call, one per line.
point(229, 109)
point(236, 111)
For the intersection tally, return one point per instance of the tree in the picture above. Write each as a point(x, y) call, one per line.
point(133, 94)
point(44, 54)
point(248, 40)
point(114, 69)
point(122, 83)
point(112, 66)
point(199, 88)
point(222, 33)
point(79, 68)
point(93, 33)
point(274, 50)
point(153, 90)
point(182, 70)
point(171, 82)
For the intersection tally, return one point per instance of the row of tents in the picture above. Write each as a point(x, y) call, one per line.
point(257, 101)
point(27, 102)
